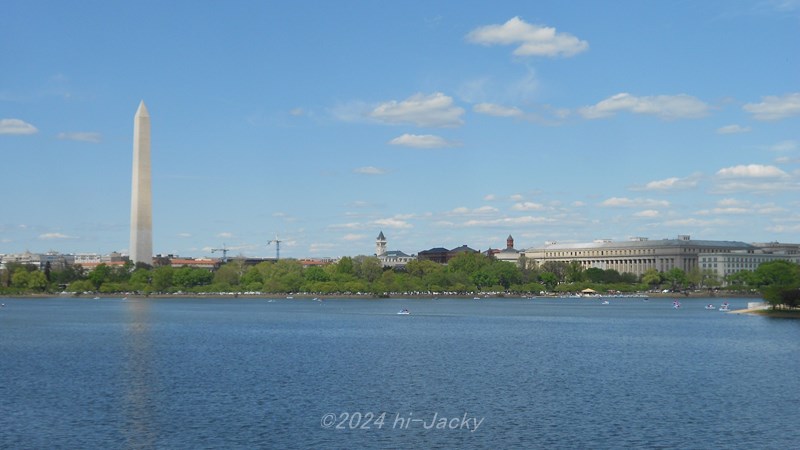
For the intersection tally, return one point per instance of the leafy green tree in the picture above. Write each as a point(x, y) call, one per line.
point(594, 274)
point(779, 273)
point(81, 286)
point(676, 278)
point(652, 278)
point(230, 273)
point(557, 268)
point(368, 268)
point(549, 279)
point(574, 272)
point(162, 278)
point(100, 275)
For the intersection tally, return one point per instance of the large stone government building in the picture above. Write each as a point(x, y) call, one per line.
point(641, 254)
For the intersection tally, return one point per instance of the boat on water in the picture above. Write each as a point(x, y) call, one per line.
point(725, 307)
point(606, 302)
point(404, 312)
point(676, 304)
point(710, 306)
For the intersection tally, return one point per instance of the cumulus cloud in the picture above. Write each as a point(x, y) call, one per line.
point(422, 141)
point(434, 110)
point(623, 202)
point(16, 126)
point(393, 222)
point(668, 107)
point(497, 110)
point(751, 171)
point(53, 236)
point(668, 184)
point(82, 136)
point(527, 206)
point(369, 170)
point(475, 211)
point(225, 234)
point(784, 146)
point(733, 129)
point(354, 237)
point(774, 107)
point(531, 40)
point(647, 213)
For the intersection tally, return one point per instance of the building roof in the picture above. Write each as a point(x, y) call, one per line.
point(644, 243)
point(381, 237)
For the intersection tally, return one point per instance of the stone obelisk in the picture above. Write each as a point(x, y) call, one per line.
point(141, 193)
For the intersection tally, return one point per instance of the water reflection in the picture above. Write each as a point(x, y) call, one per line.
point(138, 377)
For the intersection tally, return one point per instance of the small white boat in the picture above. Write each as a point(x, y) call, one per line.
point(606, 302)
point(96, 298)
point(404, 312)
point(676, 304)
point(724, 307)
point(710, 306)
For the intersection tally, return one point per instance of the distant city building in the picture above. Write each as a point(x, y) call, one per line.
point(390, 258)
point(637, 255)
point(56, 261)
point(724, 264)
point(509, 253)
point(442, 255)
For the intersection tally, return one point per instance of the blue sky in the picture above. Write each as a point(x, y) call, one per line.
point(440, 123)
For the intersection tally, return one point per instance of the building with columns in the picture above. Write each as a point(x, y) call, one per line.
point(637, 255)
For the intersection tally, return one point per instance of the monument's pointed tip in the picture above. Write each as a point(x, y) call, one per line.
point(142, 111)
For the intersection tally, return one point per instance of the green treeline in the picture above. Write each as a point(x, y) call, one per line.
point(466, 273)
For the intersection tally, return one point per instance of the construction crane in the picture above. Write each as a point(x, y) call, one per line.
point(224, 251)
point(277, 247)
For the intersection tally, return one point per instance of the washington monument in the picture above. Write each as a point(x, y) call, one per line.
point(141, 193)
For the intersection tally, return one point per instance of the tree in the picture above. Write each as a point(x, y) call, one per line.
point(652, 277)
point(676, 278)
point(549, 279)
point(99, 275)
point(368, 268)
point(575, 272)
point(162, 278)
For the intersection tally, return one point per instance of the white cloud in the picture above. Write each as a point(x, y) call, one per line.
point(354, 237)
point(532, 40)
point(184, 235)
point(225, 234)
point(297, 111)
point(517, 197)
point(648, 213)
point(527, 206)
point(393, 222)
point(16, 126)
point(434, 110)
point(369, 170)
point(671, 183)
point(506, 221)
point(732, 129)
point(679, 106)
point(497, 110)
point(774, 107)
point(752, 171)
point(422, 141)
point(489, 197)
point(81, 136)
point(623, 202)
point(54, 236)
point(784, 146)
point(483, 210)
point(320, 248)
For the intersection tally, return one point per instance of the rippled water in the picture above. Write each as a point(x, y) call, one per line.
point(248, 373)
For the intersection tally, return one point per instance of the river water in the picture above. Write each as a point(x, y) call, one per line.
point(352, 373)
